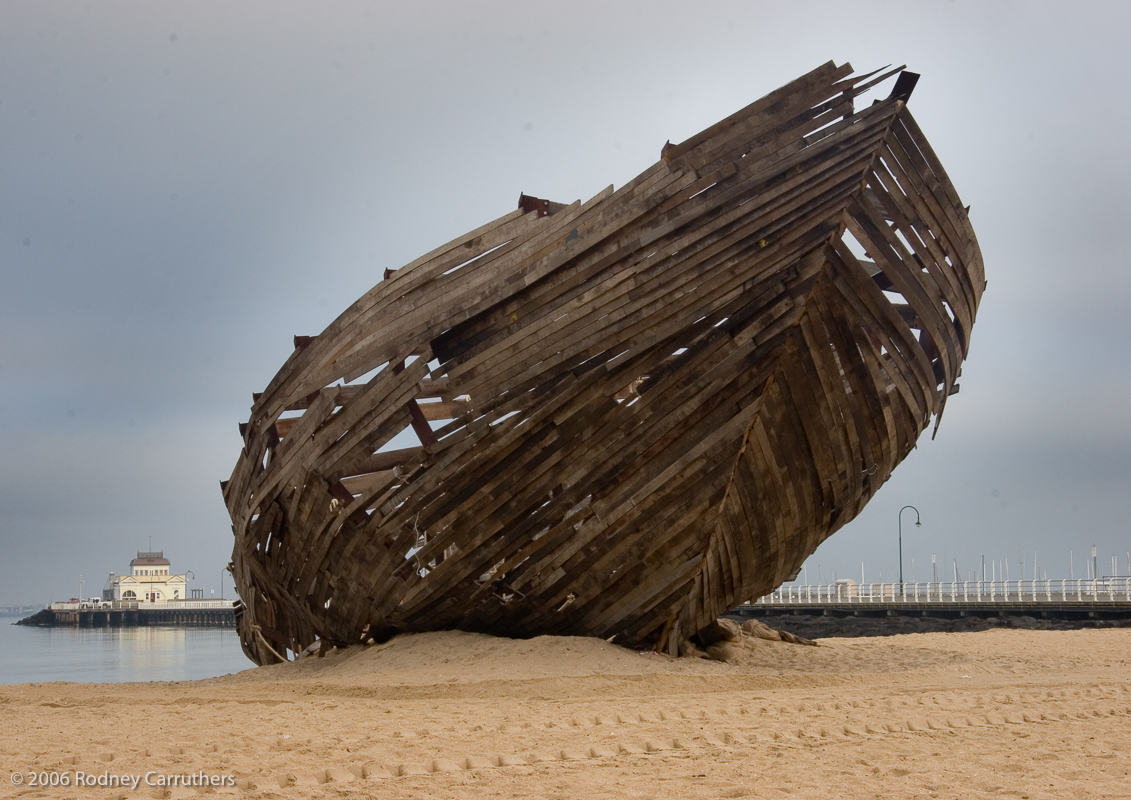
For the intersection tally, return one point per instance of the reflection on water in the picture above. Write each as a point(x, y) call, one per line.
point(115, 655)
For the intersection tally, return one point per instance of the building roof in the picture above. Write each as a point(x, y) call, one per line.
point(156, 559)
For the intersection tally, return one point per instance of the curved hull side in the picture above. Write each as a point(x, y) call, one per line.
point(633, 413)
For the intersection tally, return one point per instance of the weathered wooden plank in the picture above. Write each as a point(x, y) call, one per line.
point(654, 404)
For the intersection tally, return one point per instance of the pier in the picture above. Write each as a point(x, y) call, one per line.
point(124, 614)
point(1066, 599)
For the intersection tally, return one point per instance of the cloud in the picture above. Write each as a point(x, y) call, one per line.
point(187, 186)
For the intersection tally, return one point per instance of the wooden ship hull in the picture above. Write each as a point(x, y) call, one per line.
point(633, 413)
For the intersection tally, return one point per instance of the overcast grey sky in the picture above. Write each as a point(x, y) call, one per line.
point(185, 185)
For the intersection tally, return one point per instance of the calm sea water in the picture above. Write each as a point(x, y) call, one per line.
point(117, 655)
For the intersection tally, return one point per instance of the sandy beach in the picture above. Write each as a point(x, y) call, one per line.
point(999, 713)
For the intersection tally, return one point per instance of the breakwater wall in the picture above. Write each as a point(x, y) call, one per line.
point(211, 613)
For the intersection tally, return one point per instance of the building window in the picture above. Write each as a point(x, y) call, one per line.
point(129, 594)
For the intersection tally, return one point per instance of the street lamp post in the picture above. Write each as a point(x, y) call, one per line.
point(917, 525)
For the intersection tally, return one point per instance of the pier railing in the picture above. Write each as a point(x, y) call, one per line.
point(1065, 590)
point(139, 605)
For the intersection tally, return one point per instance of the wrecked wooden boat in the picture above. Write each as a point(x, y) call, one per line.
point(629, 414)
